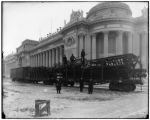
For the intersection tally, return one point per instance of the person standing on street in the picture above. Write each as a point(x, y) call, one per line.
point(81, 85)
point(72, 59)
point(58, 86)
point(64, 60)
point(82, 56)
point(90, 86)
point(58, 83)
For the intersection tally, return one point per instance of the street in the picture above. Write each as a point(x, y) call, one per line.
point(19, 101)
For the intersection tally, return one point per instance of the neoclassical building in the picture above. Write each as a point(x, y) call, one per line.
point(9, 62)
point(108, 30)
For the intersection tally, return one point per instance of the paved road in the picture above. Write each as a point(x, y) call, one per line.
point(19, 101)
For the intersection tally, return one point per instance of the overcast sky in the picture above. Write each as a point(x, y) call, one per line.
point(31, 20)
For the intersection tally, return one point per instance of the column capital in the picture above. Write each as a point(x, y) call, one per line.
point(93, 34)
point(82, 33)
point(105, 32)
point(120, 32)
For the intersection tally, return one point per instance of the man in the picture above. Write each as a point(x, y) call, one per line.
point(90, 88)
point(72, 59)
point(64, 60)
point(81, 85)
point(82, 56)
point(58, 86)
point(58, 83)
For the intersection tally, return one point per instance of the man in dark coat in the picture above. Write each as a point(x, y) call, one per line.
point(82, 56)
point(64, 60)
point(72, 59)
point(58, 86)
point(90, 87)
point(58, 83)
point(81, 85)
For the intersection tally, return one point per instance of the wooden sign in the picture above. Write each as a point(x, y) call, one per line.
point(42, 107)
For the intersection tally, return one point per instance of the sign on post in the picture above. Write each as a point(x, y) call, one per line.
point(42, 107)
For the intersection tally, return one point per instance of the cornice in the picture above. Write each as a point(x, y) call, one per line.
point(110, 19)
point(74, 24)
point(47, 42)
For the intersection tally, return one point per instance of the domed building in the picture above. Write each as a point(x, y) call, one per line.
point(108, 30)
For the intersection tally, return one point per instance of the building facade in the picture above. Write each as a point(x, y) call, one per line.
point(9, 62)
point(108, 29)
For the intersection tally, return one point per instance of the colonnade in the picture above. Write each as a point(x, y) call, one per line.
point(90, 43)
point(47, 58)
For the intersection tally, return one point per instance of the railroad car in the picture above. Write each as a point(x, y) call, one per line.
point(122, 72)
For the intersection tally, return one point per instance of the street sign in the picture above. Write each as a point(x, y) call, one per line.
point(42, 107)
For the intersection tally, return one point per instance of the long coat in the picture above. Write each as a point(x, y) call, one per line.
point(58, 85)
point(90, 86)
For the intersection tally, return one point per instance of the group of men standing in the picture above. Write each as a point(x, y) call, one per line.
point(72, 60)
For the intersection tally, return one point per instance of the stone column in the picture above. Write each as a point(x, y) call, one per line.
point(130, 42)
point(47, 58)
point(81, 44)
point(144, 52)
point(31, 61)
point(94, 46)
point(88, 46)
point(56, 55)
point(38, 59)
point(77, 46)
point(50, 58)
point(119, 43)
point(42, 58)
point(35, 61)
point(61, 55)
point(106, 44)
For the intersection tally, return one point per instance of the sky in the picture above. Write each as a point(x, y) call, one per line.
point(32, 20)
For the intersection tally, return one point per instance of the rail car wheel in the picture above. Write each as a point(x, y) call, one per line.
point(72, 84)
point(127, 87)
point(113, 86)
point(122, 86)
point(65, 84)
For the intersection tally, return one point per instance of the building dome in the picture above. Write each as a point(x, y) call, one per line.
point(118, 9)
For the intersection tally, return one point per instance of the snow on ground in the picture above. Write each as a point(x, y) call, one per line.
point(19, 101)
